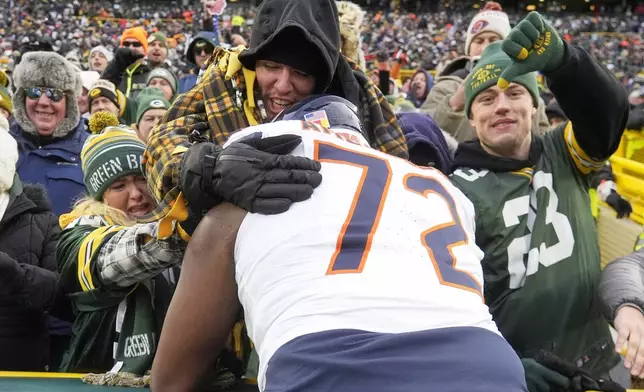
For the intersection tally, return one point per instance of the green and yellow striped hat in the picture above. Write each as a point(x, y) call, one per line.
point(108, 156)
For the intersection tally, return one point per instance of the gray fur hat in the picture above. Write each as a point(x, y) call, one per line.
point(47, 69)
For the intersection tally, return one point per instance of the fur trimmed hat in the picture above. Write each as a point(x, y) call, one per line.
point(47, 69)
point(351, 18)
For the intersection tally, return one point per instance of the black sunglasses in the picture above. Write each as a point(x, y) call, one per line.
point(202, 46)
point(54, 94)
point(134, 44)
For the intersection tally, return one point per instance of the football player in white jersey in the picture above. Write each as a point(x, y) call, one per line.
point(373, 284)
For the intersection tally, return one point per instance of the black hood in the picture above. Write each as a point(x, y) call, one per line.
point(316, 21)
point(207, 36)
point(26, 197)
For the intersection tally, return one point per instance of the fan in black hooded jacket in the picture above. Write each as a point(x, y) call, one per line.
point(28, 235)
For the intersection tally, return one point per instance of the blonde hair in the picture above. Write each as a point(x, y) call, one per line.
point(88, 206)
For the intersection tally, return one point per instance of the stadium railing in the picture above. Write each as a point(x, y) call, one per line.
point(628, 166)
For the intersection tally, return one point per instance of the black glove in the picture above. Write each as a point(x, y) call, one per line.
point(126, 57)
point(619, 204)
point(580, 379)
point(252, 173)
point(541, 379)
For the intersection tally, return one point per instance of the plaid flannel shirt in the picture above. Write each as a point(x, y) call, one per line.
point(134, 254)
point(214, 109)
point(123, 256)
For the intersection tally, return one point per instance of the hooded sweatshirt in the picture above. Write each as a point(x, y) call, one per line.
point(411, 96)
point(189, 81)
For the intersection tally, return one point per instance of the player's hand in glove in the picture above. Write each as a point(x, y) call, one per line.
point(541, 379)
point(580, 380)
point(254, 174)
point(621, 206)
point(533, 45)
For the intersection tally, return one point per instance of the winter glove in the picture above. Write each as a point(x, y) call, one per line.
point(541, 379)
point(580, 379)
point(125, 57)
point(621, 206)
point(252, 173)
point(534, 45)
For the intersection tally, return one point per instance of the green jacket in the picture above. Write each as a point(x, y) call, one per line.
point(113, 276)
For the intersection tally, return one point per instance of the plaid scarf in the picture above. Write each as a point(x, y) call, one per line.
point(221, 104)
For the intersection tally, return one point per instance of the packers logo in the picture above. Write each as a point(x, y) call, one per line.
point(95, 93)
point(157, 103)
point(484, 74)
point(478, 26)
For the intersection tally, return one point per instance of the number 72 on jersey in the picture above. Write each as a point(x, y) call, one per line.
point(354, 240)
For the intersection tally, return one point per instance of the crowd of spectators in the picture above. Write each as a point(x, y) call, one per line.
point(66, 63)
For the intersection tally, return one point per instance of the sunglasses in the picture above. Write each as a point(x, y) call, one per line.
point(202, 46)
point(54, 94)
point(134, 44)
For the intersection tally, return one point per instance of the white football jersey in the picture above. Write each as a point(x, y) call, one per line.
point(381, 246)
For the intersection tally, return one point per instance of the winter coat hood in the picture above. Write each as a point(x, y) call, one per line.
point(208, 36)
point(419, 101)
point(317, 22)
point(428, 144)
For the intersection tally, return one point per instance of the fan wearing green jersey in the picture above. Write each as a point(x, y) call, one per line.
point(533, 218)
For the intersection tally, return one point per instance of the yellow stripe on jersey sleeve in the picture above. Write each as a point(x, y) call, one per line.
point(88, 247)
point(584, 163)
point(525, 172)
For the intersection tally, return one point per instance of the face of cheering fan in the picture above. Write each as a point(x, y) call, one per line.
point(46, 107)
point(281, 86)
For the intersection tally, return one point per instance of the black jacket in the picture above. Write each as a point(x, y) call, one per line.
point(28, 234)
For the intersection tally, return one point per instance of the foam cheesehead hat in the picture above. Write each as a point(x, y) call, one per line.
point(487, 72)
point(114, 153)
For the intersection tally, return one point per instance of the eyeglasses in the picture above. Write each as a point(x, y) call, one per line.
point(134, 44)
point(54, 94)
point(202, 46)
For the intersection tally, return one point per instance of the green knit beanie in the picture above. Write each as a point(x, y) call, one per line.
point(150, 98)
point(158, 37)
point(114, 153)
point(487, 71)
point(163, 73)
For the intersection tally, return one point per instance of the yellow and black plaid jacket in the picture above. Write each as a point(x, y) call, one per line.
point(223, 102)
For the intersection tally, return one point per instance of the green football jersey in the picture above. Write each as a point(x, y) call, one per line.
point(541, 263)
